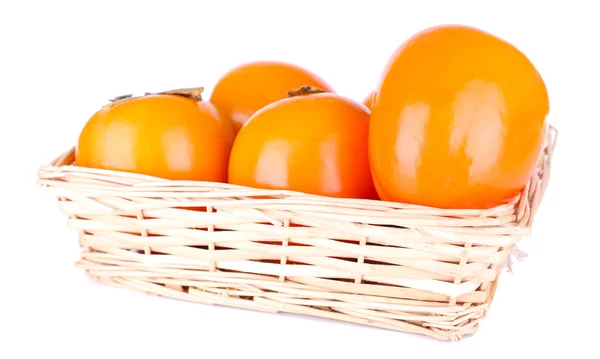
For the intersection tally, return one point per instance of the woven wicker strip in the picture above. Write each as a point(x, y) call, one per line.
point(390, 265)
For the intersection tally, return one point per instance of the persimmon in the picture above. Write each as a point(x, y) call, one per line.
point(457, 121)
point(315, 143)
point(172, 136)
point(248, 87)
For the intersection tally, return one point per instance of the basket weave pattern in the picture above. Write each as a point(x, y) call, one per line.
point(390, 265)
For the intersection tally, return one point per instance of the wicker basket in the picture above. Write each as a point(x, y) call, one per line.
point(389, 265)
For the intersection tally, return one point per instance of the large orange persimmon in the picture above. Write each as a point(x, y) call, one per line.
point(247, 88)
point(315, 143)
point(164, 135)
point(457, 120)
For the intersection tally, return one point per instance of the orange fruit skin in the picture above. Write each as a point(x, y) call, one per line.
point(457, 121)
point(249, 87)
point(316, 144)
point(368, 100)
point(165, 136)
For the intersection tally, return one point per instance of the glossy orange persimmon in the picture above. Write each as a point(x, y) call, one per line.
point(247, 88)
point(457, 120)
point(315, 143)
point(167, 136)
point(368, 100)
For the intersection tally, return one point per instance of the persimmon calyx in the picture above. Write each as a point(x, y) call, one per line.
point(305, 90)
point(193, 93)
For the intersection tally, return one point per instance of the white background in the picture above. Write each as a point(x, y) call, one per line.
point(59, 61)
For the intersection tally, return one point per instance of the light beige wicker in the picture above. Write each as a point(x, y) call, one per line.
point(389, 265)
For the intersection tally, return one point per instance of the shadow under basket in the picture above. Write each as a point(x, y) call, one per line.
point(389, 265)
